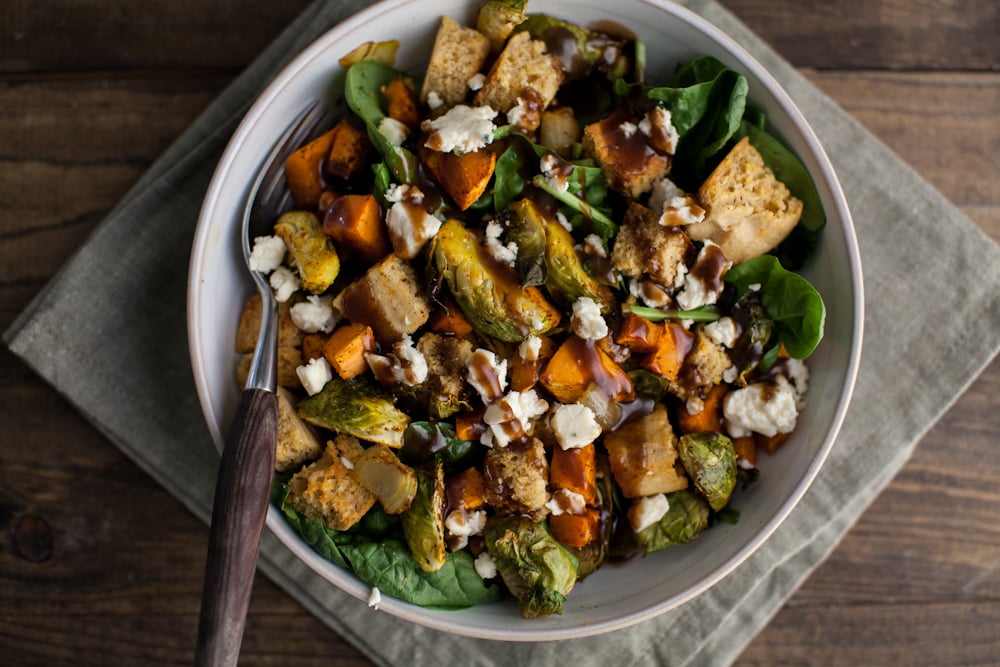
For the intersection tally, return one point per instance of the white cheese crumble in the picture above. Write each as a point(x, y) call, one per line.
point(285, 283)
point(628, 128)
point(663, 191)
point(462, 525)
point(561, 219)
point(694, 405)
point(348, 463)
point(566, 501)
point(659, 120)
point(314, 375)
point(405, 365)
point(502, 253)
point(487, 374)
point(314, 314)
point(530, 348)
point(410, 228)
point(268, 253)
point(486, 568)
point(594, 245)
point(574, 425)
point(674, 205)
point(393, 130)
point(767, 408)
point(650, 293)
point(647, 510)
point(434, 100)
point(722, 331)
point(518, 114)
point(587, 321)
point(697, 292)
point(477, 81)
point(511, 417)
point(462, 129)
point(375, 598)
point(551, 166)
point(798, 373)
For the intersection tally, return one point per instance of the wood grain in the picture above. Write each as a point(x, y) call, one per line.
point(99, 565)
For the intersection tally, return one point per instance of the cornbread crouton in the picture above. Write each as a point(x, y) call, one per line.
point(644, 247)
point(749, 211)
point(522, 70)
point(629, 163)
point(447, 361)
point(249, 327)
point(297, 441)
point(517, 478)
point(459, 54)
point(703, 366)
point(643, 456)
point(328, 491)
point(387, 298)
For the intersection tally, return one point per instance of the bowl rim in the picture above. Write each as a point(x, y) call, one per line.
point(345, 580)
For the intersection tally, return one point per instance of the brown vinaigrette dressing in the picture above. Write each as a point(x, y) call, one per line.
point(710, 268)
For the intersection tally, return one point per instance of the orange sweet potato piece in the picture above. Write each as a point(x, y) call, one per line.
point(710, 417)
point(575, 470)
point(303, 171)
point(448, 318)
point(355, 223)
point(668, 357)
point(746, 448)
point(578, 363)
point(464, 177)
point(575, 530)
point(638, 334)
point(401, 101)
point(770, 444)
point(524, 374)
point(470, 425)
point(349, 149)
point(346, 347)
point(466, 489)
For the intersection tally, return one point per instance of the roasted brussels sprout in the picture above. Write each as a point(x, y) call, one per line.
point(311, 249)
point(526, 228)
point(580, 50)
point(394, 483)
point(710, 462)
point(684, 521)
point(358, 407)
point(487, 291)
point(538, 570)
point(498, 18)
point(566, 279)
point(423, 522)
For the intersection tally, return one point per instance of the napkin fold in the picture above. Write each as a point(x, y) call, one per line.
point(132, 271)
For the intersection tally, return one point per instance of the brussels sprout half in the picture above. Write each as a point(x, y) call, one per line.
point(710, 462)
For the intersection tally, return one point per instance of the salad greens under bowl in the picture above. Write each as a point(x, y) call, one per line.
point(816, 312)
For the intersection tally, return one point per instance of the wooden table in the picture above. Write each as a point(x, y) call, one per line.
point(99, 565)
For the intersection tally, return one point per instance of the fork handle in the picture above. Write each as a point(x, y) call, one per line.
point(242, 493)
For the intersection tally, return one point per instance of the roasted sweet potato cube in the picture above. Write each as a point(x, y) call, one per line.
point(463, 176)
point(448, 318)
point(302, 171)
point(470, 425)
point(575, 530)
point(525, 373)
point(401, 101)
point(578, 363)
point(638, 334)
point(349, 149)
point(355, 223)
point(770, 444)
point(466, 490)
point(710, 416)
point(746, 449)
point(668, 356)
point(643, 456)
point(575, 470)
point(346, 347)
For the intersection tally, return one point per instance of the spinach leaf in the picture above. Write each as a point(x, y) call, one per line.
point(423, 440)
point(363, 93)
point(326, 542)
point(793, 304)
point(508, 183)
point(789, 170)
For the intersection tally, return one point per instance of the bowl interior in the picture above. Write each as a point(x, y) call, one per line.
point(616, 596)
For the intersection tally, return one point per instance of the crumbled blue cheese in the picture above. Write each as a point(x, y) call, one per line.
point(461, 525)
point(393, 130)
point(477, 81)
point(659, 120)
point(314, 314)
point(285, 283)
point(487, 374)
point(314, 375)
point(485, 566)
point(587, 321)
point(555, 174)
point(405, 365)
point(410, 228)
point(647, 510)
point(530, 348)
point(519, 114)
point(561, 219)
point(722, 331)
point(675, 206)
point(649, 293)
point(574, 425)
point(767, 408)
point(697, 292)
point(375, 598)
point(434, 100)
point(798, 373)
point(462, 129)
point(511, 417)
point(268, 253)
point(502, 253)
point(566, 501)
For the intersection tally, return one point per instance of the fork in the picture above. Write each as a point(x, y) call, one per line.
point(246, 469)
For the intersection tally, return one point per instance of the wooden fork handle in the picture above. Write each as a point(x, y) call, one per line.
point(242, 493)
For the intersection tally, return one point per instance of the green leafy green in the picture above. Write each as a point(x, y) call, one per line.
point(793, 304)
point(363, 93)
point(423, 440)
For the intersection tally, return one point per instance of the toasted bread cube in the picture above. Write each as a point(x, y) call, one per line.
point(704, 365)
point(289, 358)
point(459, 54)
point(248, 329)
point(517, 477)
point(644, 247)
point(629, 163)
point(447, 360)
point(522, 70)
point(297, 441)
point(643, 456)
point(749, 211)
point(387, 298)
point(328, 491)
point(463, 176)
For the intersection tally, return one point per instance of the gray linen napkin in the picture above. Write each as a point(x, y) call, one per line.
point(134, 276)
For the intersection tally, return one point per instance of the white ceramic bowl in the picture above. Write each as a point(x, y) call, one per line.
point(617, 596)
